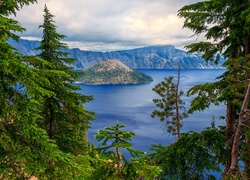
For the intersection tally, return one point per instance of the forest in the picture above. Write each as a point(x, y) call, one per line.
point(44, 123)
point(104, 73)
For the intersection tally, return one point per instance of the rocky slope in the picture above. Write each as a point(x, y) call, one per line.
point(113, 72)
point(152, 57)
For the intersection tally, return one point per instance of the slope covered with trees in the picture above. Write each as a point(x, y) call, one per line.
point(113, 72)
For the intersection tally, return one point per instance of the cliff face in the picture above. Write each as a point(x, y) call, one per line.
point(113, 72)
point(152, 57)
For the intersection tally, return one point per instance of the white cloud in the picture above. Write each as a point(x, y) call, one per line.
point(110, 24)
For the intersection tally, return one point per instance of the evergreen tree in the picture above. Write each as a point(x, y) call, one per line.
point(113, 143)
point(25, 147)
point(63, 114)
point(193, 156)
point(225, 24)
point(170, 104)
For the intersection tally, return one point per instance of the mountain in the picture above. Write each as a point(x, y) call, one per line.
point(152, 57)
point(26, 47)
point(113, 72)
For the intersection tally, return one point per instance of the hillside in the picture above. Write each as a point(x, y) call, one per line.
point(152, 57)
point(113, 72)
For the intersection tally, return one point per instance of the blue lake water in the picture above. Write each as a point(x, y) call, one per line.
point(132, 105)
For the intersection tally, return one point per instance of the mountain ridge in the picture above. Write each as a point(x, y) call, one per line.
point(150, 57)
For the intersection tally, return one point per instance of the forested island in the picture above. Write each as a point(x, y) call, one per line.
point(113, 72)
point(44, 122)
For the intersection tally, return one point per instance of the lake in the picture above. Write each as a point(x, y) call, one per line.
point(132, 105)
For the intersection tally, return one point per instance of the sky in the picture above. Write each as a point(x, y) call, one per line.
point(108, 25)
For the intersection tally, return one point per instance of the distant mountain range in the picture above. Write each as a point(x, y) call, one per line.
point(113, 72)
point(152, 57)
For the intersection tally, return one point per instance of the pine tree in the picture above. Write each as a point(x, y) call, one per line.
point(64, 116)
point(25, 147)
point(194, 156)
point(170, 105)
point(225, 24)
point(114, 142)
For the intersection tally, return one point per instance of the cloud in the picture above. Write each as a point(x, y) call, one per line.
point(110, 24)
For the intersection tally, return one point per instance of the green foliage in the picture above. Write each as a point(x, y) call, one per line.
point(20, 137)
point(222, 23)
point(193, 156)
point(225, 24)
point(206, 94)
point(115, 165)
point(9, 7)
point(119, 139)
point(26, 149)
point(171, 108)
point(63, 114)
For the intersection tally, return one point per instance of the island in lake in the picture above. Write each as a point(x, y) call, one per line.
point(113, 72)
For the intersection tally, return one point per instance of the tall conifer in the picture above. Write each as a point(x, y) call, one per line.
point(171, 108)
point(63, 114)
point(23, 145)
point(25, 148)
point(225, 24)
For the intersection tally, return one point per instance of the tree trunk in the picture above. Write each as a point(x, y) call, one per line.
point(86, 137)
point(178, 125)
point(235, 148)
point(247, 163)
point(230, 127)
point(52, 125)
